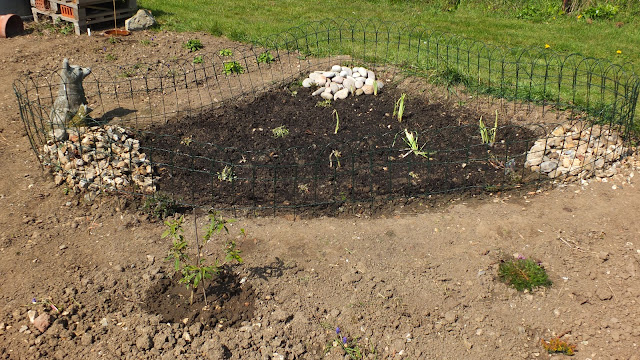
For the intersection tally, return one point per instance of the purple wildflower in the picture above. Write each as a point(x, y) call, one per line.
point(33, 301)
point(338, 330)
point(521, 257)
point(344, 340)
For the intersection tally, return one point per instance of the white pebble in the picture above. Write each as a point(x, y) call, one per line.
point(336, 68)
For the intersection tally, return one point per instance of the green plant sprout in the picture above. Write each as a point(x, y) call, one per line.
point(523, 274)
point(398, 109)
point(198, 59)
point(145, 42)
point(375, 88)
point(195, 274)
point(160, 206)
point(232, 67)
point(280, 132)
point(193, 45)
point(411, 140)
point(488, 135)
point(335, 154)
point(226, 174)
point(324, 103)
point(225, 52)
point(335, 115)
point(266, 58)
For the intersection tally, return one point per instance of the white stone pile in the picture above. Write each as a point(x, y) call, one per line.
point(342, 81)
point(99, 158)
point(577, 149)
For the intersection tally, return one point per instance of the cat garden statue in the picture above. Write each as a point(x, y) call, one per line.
point(70, 106)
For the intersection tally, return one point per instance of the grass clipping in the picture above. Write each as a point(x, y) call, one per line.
point(523, 274)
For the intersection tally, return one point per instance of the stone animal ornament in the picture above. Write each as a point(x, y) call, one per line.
point(71, 98)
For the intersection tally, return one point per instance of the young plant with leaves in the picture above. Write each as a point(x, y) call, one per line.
point(488, 135)
point(398, 109)
point(411, 140)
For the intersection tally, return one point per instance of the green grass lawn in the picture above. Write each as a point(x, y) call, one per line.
point(249, 20)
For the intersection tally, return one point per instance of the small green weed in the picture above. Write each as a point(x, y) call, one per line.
point(523, 274)
point(411, 140)
point(198, 59)
point(193, 45)
point(161, 206)
point(226, 174)
point(266, 58)
point(145, 42)
point(232, 67)
point(67, 29)
point(225, 52)
point(324, 103)
point(555, 345)
point(112, 40)
point(280, 132)
point(111, 57)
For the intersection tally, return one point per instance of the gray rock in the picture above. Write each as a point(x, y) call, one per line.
point(336, 68)
point(318, 91)
point(338, 79)
point(350, 84)
point(143, 19)
point(359, 83)
point(369, 81)
point(334, 88)
point(362, 72)
point(371, 75)
point(328, 74)
point(548, 166)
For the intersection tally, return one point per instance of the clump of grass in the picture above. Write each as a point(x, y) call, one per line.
point(349, 346)
point(398, 109)
point(555, 346)
point(198, 59)
point(523, 274)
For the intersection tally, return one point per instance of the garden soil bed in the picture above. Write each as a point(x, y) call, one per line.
point(302, 169)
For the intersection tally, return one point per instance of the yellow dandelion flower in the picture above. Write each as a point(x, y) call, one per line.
point(619, 52)
point(546, 46)
point(579, 16)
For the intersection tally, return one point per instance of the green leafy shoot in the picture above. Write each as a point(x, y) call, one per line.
point(232, 252)
point(324, 103)
point(226, 174)
point(217, 223)
point(488, 134)
point(335, 115)
point(280, 132)
point(225, 52)
point(335, 154)
point(232, 67)
point(523, 274)
point(193, 45)
point(266, 58)
point(198, 59)
point(177, 254)
point(193, 275)
point(375, 88)
point(411, 140)
point(398, 109)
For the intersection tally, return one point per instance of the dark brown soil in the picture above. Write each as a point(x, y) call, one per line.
point(229, 301)
point(298, 169)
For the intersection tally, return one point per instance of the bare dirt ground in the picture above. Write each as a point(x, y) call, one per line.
point(399, 285)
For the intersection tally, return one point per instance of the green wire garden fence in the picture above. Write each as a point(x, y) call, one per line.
point(132, 140)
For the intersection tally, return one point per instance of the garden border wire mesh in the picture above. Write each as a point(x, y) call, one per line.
point(130, 101)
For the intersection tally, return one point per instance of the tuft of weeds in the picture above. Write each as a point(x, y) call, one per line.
point(161, 206)
point(556, 345)
point(111, 57)
point(324, 103)
point(193, 45)
point(280, 132)
point(349, 346)
point(523, 274)
point(198, 59)
point(232, 67)
point(266, 58)
point(225, 52)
